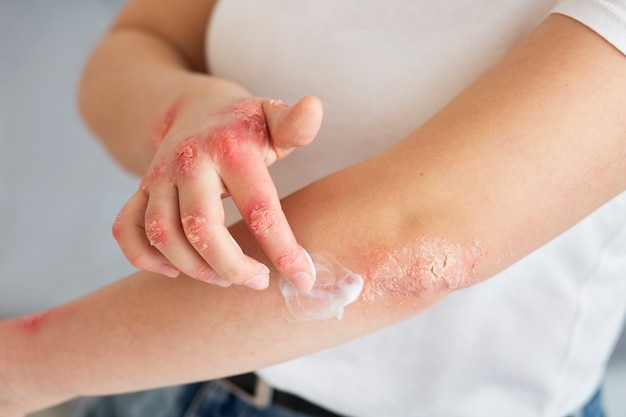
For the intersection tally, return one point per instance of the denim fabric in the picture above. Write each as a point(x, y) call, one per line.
point(208, 399)
point(593, 408)
point(214, 399)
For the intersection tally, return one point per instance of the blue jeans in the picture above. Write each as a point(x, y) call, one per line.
point(206, 399)
point(593, 408)
point(214, 399)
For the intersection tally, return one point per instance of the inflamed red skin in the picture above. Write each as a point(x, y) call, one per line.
point(427, 265)
point(177, 216)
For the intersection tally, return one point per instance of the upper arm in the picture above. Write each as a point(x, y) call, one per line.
point(181, 24)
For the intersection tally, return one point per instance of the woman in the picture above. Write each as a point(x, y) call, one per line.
point(448, 153)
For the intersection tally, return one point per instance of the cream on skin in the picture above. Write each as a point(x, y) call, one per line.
point(428, 264)
point(335, 287)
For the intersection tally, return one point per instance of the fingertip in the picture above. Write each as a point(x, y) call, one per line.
point(311, 264)
point(168, 270)
point(293, 126)
point(219, 281)
point(305, 280)
point(313, 104)
point(258, 282)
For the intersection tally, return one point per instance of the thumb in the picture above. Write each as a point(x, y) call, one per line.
point(291, 126)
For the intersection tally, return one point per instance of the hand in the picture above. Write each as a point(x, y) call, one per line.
point(175, 220)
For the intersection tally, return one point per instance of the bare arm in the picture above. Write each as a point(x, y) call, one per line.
point(146, 95)
point(524, 153)
point(146, 62)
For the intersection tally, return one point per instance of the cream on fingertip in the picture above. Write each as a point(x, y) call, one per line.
point(335, 288)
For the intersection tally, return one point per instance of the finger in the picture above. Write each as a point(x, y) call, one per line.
point(202, 215)
point(260, 206)
point(129, 232)
point(291, 127)
point(164, 230)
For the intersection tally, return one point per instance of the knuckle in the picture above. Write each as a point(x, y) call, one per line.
point(118, 226)
point(197, 230)
point(235, 273)
point(186, 156)
point(156, 231)
point(288, 260)
point(262, 220)
point(156, 171)
point(247, 134)
point(204, 273)
point(139, 260)
point(224, 145)
point(250, 115)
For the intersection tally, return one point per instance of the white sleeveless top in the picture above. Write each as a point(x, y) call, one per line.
point(531, 341)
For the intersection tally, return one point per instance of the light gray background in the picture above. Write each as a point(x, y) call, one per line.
point(59, 191)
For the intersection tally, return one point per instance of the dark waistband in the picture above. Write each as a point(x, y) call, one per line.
point(256, 391)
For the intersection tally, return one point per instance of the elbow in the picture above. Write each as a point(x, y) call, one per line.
point(89, 98)
point(83, 97)
point(424, 269)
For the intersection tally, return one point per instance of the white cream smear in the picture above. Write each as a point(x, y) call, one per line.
point(335, 287)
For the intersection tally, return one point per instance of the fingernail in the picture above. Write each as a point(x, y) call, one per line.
point(168, 270)
point(311, 264)
point(303, 280)
point(219, 281)
point(258, 282)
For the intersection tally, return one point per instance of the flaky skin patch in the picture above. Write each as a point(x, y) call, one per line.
point(426, 265)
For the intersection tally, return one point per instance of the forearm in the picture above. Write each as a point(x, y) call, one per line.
point(130, 90)
point(147, 330)
point(523, 154)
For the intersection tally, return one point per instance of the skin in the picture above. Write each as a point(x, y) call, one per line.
point(175, 220)
point(526, 151)
point(146, 72)
point(335, 288)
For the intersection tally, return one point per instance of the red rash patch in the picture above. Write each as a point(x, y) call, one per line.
point(231, 144)
point(224, 143)
point(117, 228)
point(261, 219)
point(155, 231)
point(249, 131)
point(428, 264)
point(249, 110)
point(155, 172)
point(33, 323)
point(186, 156)
point(196, 231)
point(166, 123)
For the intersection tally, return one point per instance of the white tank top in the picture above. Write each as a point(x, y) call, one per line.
point(531, 341)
